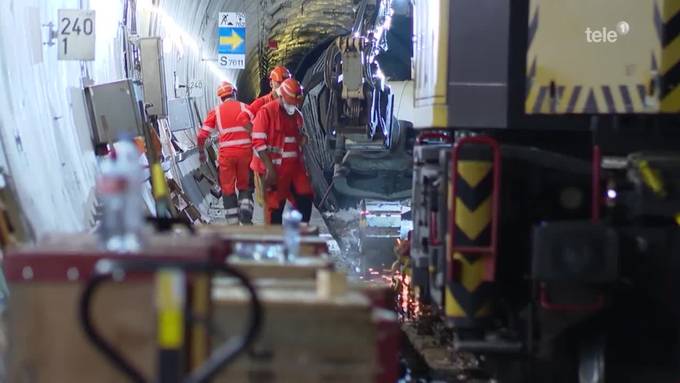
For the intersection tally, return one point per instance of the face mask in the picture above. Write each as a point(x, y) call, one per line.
point(290, 109)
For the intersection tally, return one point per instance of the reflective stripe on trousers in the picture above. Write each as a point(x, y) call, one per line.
point(232, 143)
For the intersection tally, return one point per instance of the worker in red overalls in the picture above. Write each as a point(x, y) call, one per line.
point(278, 75)
point(278, 141)
point(232, 119)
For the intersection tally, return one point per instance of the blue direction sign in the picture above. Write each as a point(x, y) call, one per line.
point(232, 40)
point(231, 47)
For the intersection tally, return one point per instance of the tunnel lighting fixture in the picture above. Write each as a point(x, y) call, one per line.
point(380, 74)
point(611, 194)
point(181, 38)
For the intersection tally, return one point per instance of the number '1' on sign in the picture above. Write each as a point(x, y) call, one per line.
point(76, 34)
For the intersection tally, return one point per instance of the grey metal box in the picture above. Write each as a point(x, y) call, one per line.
point(153, 75)
point(479, 59)
point(179, 114)
point(114, 110)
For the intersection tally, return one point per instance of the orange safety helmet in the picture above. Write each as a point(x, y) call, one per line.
point(291, 91)
point(279, 74)
point(225, 90)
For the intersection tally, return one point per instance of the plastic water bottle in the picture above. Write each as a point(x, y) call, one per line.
point(127, 160)
point(111, 187)
point(291, 234)
point(120, 190)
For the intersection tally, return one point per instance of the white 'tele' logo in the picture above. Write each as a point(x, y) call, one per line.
point(606, 35)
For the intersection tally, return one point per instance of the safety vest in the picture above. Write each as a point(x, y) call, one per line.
point(230, 119)
point(278, 134)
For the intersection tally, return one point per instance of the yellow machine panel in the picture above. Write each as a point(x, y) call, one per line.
point(431, 61)
point(603, 57)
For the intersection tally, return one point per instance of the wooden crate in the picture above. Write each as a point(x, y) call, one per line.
point(47, 343)
point(261, 366)
point(305, 338)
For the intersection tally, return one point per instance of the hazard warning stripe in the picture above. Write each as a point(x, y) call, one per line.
point(542, 91)
point(670, 8)
point(670, 80)
point(609, 99)
point(600, 99)
point(471, 302)
point(471, 196)
point(533, 27)
point(481, 239)
point(658, 22)
point(671, 55)
point(671, 103)
point(591, 104)
point(670, 62)
point(530, 79)
point(468, 292)
point(574, 97)
point(671, 30)
point(627, 101)
point(473, 221)
point(642, 92)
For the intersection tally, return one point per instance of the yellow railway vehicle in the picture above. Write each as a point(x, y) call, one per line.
point(561, 185)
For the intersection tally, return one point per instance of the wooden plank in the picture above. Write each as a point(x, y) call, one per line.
point(330, 283)
point(303, 268)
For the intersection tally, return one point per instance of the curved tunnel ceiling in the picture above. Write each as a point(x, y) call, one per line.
point(293, 27)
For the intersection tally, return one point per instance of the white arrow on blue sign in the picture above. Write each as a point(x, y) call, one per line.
point(231, 47)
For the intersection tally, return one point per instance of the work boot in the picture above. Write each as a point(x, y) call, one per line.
point(245, 207)
point(231, 209)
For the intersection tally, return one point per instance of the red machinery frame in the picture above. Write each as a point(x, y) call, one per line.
point(447, 138)
point(491, 250)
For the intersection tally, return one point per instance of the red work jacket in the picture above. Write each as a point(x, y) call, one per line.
point(230, 119)
point(259, 102)
point(279, 134)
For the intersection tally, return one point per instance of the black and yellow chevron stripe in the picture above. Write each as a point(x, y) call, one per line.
point(468, 296)
point(667, 22)
point(618, 99)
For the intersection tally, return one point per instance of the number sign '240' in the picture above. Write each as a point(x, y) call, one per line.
point(76, 34)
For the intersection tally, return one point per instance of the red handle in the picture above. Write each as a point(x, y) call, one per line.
point(548, 305)
point(434, 234)
point(490, 250)
point(596, 200)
